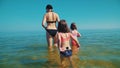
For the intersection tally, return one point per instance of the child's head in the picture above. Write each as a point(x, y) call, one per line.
point(62, 27)
point(73, 26)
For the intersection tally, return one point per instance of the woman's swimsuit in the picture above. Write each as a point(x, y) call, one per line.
point(52, 32)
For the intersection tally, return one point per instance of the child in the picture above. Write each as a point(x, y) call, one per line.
point(75, 33)
point(64, 37)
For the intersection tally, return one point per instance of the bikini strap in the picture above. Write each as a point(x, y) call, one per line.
point(52, 16)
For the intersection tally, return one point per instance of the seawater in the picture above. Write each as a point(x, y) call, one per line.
point(99, 49)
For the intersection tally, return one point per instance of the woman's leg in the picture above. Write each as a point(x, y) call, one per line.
point(55, 41)
point(49, 40)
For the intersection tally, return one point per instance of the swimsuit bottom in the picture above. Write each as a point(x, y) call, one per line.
point(66, 53)
point(75, 44)
point(52, 32)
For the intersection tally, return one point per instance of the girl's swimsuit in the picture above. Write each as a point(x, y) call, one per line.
point(73, 42)
point(67, 52)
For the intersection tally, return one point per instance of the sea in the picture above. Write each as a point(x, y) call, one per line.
point(29, 49)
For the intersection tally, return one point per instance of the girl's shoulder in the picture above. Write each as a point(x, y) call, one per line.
point(74, 31)
point(59, 33)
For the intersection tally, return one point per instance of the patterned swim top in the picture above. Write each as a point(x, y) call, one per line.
point(63, 39)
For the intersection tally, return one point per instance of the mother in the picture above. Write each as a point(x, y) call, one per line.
point(50, 18)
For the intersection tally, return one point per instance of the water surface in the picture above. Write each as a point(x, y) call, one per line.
point(99, 49)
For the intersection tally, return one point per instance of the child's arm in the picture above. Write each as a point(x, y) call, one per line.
point(74, 39)
point(78, 34)
point(59, 42)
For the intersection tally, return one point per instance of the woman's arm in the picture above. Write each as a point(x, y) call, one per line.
point(44, 21)
point(58, 19)
point(59, 40)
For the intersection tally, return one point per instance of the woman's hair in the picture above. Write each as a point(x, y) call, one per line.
point(49, 6)
point(73, 26)
point(62, 27)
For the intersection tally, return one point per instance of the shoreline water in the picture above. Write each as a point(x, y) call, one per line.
point(99, 48)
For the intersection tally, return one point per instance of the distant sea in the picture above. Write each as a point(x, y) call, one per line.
point(99, 49)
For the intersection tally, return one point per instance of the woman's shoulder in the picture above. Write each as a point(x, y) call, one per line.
point(45, 14)
point(55, 13)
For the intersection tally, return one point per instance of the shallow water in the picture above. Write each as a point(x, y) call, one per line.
point(99, 49)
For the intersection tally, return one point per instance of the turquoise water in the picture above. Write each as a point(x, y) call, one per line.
point(99, 49)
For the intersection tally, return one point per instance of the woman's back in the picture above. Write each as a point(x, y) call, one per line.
point(51, 19)
point(51, 16)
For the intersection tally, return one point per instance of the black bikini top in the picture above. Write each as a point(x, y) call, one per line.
point(52, 18)
point(51, 21)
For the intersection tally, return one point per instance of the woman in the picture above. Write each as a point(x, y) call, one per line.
point(50, 18)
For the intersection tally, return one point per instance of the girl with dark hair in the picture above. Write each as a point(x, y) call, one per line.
point(75, 33)
point(50, 18)
point(64, 37)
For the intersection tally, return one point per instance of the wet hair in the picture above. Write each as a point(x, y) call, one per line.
point(73, 26)
point(49, 6)
point(62, 27)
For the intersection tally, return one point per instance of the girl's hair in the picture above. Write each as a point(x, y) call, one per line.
point(49, 6)
point(62, 27)
point(73, 26)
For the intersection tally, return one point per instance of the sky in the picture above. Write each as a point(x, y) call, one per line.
point(27, 15)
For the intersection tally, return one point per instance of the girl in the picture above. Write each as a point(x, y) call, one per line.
point(64, 37)
point(75, 33)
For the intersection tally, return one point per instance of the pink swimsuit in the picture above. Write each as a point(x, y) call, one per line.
point(65, 39)
point(73, 42)
point(67, 52)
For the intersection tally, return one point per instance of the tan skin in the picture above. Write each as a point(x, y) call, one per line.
point(75, 48)
point(63, 45)
point(49, 17)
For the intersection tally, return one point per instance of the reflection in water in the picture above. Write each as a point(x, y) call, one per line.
point(99, 49)
point(53, 58)
point(75, 60)
point(55, 62)
point(46, 58)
